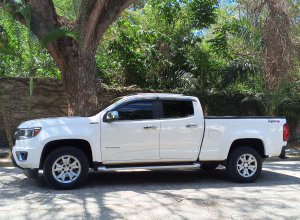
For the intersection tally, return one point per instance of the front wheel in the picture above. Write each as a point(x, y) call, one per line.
point(66, 168)
point(244, 164)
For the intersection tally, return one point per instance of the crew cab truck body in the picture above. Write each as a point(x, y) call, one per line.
point(149, 131)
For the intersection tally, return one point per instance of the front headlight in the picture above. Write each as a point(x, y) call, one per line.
point(25, 133)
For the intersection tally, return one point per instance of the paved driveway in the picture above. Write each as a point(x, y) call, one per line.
point(172, 194)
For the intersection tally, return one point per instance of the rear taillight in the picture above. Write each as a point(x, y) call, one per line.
point(286, 132)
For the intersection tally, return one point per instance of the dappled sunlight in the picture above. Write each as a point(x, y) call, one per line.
point(142, 194)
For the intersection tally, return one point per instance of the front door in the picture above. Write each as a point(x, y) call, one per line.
point(135, 136)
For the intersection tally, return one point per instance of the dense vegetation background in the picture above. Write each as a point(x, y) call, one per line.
point(240, 57)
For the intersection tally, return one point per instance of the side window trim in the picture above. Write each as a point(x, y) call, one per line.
point(161, 109)
point(156, 113)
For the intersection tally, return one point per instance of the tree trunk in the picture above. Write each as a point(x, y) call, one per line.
point(79, 76)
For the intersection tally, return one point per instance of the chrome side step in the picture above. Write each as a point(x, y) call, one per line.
point(194, 165)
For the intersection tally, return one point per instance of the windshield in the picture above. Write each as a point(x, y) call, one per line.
point(96, 111)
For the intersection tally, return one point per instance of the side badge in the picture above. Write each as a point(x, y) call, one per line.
point(271, 121)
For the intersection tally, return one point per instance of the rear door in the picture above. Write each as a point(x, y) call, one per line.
point(135, 136)
point(181, 129)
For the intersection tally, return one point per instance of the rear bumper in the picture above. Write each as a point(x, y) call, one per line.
point(284, 150)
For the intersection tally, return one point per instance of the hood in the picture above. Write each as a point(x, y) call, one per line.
point(45, 122)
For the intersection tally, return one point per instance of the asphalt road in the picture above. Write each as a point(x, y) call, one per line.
point(168, 194)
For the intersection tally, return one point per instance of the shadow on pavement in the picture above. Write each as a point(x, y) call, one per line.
point(112, 195)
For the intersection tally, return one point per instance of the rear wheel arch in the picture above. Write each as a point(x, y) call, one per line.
point(255, 143)
point(80, 144)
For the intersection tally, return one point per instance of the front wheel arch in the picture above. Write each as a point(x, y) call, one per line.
point(80, 144)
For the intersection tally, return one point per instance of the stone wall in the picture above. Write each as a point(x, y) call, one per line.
point(49, 100)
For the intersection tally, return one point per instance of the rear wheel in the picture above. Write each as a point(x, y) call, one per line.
point(244, 164)
point(66, 168)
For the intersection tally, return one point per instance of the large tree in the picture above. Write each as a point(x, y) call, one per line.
point(76, 62)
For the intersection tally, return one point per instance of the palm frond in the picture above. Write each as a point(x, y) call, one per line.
point(57, 33)
point(9, 48)
point(236, 71)
point(25, 10)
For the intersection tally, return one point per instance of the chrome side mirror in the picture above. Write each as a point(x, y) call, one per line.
point(112, 116)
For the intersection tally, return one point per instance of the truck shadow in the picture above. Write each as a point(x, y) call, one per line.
point(111, 194)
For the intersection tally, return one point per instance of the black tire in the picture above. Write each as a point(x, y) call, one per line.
point(77, 158)
point(209, 166)
point(236, 156)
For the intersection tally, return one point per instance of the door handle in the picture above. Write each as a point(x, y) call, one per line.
point(150, 127)
point(192, 126)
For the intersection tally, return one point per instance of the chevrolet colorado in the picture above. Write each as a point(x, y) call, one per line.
point(147, 131)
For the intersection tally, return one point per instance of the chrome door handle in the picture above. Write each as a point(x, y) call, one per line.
point(150, 127)
point(192, 126)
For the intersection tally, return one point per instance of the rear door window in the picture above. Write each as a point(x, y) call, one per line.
point(177, 109)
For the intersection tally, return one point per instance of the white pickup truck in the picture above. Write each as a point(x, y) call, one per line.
point(147, 131)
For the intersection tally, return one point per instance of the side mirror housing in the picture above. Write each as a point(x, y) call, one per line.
point(112, 116)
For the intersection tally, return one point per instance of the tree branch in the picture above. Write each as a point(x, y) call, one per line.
point(44, 11)
point(113, 8)
point(96, 16)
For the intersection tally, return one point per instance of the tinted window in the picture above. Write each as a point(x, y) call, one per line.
point(136, 111)
point(178, 109)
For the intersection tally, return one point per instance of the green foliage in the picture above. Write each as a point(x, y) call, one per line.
point(202, 13)
point(151, 47)
point(68, 8)
point(21, 52)
point(15, 51)
point(239, 70)
point(167, 9)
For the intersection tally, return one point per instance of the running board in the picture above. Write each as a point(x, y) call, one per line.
point(194, 165)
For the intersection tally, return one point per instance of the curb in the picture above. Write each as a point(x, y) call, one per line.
point(6, 163)
point(290, 158)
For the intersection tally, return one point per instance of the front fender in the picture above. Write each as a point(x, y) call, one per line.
point(90, 133)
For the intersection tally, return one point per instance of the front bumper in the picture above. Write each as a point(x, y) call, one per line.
point(284, 150)
point(15, 163)
point(33, 148)
point(30, 173)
